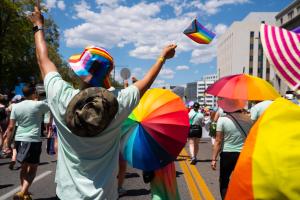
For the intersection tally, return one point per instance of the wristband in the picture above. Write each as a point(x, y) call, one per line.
point(214, 160)
point(37, 28)
point(161, 59)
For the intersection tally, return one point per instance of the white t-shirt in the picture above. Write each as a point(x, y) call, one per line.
point(87, 166)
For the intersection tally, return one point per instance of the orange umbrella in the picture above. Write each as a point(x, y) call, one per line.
point(243, 86)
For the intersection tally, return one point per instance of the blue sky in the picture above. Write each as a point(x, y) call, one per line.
point(135, 31)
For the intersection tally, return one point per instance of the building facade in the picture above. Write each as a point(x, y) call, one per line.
point(190, 92)
point(202, 85)
point(288, 18)
point(239, 49)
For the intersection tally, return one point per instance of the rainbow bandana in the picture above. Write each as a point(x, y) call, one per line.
point(282, 48)
point(93, 66)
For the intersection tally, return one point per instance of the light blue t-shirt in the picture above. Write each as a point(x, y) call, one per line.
point(196, 118)
point(87, 166)
point(233, 139)
point(257, 110)
point(28, 115)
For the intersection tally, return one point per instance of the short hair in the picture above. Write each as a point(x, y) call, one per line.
point(28, 90)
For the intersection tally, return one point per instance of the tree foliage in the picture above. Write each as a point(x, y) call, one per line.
point(17, 52)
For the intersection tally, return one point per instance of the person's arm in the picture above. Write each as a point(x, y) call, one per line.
point(144, 84)
point(9, 132)
point(216, 149)
point(45, 64)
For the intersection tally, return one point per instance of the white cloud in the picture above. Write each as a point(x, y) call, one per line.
point(167, 73)
point(140, 26)
point(109, 3)
point(220, 29)
point(182, 67)
point(61, 5)
point(211, 7)
point(159, 83)
point(51, 4)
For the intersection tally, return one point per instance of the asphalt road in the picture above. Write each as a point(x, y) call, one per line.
point(194, 182)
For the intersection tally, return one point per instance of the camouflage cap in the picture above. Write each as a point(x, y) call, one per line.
point(91, 111)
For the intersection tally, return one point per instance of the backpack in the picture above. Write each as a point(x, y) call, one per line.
point(242, 121)
point(213, 129)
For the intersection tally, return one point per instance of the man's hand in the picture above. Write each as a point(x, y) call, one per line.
point(169, 51)
point(213, 164)
point(36, 17)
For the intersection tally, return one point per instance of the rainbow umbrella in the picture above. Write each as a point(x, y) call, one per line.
point(243, 86)
point(282, 48)
point(269, 164)
point(156, 130)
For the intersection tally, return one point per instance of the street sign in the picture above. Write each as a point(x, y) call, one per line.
point(125, 73)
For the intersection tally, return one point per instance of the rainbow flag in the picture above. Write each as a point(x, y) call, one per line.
point(269, 164)
point(199, 33)
point(164, 184)
point(93, 66)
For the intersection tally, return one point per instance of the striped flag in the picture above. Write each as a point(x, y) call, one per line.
point(282, 48)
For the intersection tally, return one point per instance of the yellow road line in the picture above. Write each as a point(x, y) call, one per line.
point(195, 194)
point(199, 180)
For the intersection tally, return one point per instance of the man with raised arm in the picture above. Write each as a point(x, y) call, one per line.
point(88, 123)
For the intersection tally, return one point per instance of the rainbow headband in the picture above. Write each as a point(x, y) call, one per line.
point(93, 66)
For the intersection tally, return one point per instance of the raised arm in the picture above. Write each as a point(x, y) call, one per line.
point(45, 64)
point(144, 84)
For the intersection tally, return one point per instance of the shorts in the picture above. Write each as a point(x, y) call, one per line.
point(195, 131)
point(28, 152)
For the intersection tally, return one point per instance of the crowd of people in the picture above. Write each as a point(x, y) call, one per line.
point(87, 122)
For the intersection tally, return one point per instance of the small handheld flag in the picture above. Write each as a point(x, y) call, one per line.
point(199, 33)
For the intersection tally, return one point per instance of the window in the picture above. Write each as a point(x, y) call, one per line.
point(252, 34)
point(291, 14)
point(281, 20)
point(298, 9)
point(251, 46)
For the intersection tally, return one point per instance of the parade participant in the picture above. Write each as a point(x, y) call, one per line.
point(196, 121)
point(257, 110)
point(229, 141)
point(88, 123)
point(29, 115)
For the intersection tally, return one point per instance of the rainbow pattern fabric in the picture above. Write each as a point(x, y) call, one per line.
point(269, 164)
point(93, 66)
point(164, 184)
point(199, 33)
point(282, 48)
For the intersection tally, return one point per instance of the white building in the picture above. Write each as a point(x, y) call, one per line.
point(239, 49)
point(202, 85)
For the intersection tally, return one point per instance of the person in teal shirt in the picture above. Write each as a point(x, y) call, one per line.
point(28, 114)
point(87, 166)
point(196, 122)
point(229, 142)
point(257, 110)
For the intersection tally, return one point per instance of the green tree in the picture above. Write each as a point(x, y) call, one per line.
point(17, 52)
